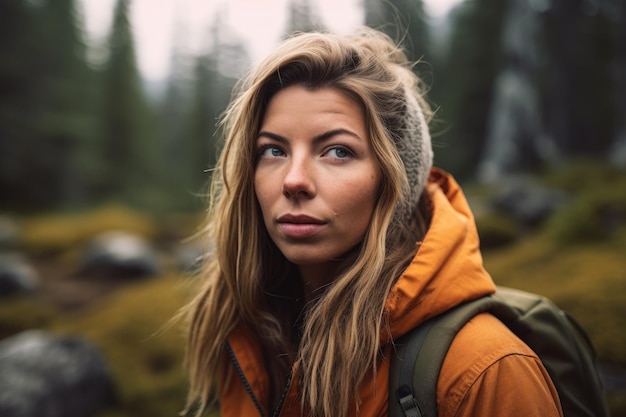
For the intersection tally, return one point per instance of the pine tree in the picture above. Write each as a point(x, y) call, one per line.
point(464, 85)
point(128, 155)
point(69, 98)
point(405, 21)
point(198, 92)
point(173, 141)
point(207, 102)
point(302, 17)
point(46, 104)
point(213, 82)
point(579, 84)
point(19, 85)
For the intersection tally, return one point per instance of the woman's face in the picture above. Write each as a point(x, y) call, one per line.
point(316, 177)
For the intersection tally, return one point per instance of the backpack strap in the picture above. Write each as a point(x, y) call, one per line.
point(418, 356)
point(402, 401)
point(561, 344)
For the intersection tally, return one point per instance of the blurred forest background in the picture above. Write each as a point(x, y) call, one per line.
point(102, 179)
point(519, 85)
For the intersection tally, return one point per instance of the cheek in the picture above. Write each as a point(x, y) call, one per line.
point(360, 201)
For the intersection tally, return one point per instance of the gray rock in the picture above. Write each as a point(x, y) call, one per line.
point(16, 275)
point(529, 204)
point(120, 254)
point(42, 375)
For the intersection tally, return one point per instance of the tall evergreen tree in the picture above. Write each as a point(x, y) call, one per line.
point(516, 139)
point(45, 104)
point(302, 17)
point(213, 82)
point(579, 84)
point(207, 102)
point(69, 98)
point(404, 21)
point(374, 16)
point(19, 86)
point(198, 93)
point(173, 112)
point(464, 86)
point(128, 151)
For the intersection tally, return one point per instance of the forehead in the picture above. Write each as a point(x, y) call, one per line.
point(298, 104)
point(332, 95)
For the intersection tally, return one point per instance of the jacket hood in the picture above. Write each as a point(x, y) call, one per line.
point(447, 269)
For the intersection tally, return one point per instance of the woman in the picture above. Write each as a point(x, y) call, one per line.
point(332, 237)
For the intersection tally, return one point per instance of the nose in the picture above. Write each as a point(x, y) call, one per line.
point(299, 180)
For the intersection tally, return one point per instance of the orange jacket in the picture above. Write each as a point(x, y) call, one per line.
point(487, 372)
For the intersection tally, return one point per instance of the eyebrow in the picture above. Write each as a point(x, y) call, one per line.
point(316, 139)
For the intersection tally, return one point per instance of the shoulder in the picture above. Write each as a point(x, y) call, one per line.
point(488, 370)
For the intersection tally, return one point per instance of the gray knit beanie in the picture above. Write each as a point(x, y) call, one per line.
point(415, 149)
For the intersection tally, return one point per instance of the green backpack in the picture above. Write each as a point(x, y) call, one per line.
point(562, 345)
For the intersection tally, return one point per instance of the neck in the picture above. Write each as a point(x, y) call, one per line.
point(316, 278)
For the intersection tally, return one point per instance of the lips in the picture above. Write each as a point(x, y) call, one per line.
point(299, 219)
point(299, 226)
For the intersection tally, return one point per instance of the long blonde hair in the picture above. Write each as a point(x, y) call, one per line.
point(339, 333)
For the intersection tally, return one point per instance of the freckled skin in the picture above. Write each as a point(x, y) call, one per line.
point(316, 178)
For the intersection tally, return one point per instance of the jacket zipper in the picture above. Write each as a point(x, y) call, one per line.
point(248, 387)
point(283, 397)
point(244, 380)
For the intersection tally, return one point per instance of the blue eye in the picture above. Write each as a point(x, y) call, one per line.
point(270, 152)
point(339, 152)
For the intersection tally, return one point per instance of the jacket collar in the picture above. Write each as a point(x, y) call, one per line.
point(447, 269)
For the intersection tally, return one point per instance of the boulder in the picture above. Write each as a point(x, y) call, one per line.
point(527, 203)
point(16, 275)
point(120, 254)
point(43, 375)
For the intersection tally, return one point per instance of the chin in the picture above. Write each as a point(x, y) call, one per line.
point(307, 256)
point(304, 260)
